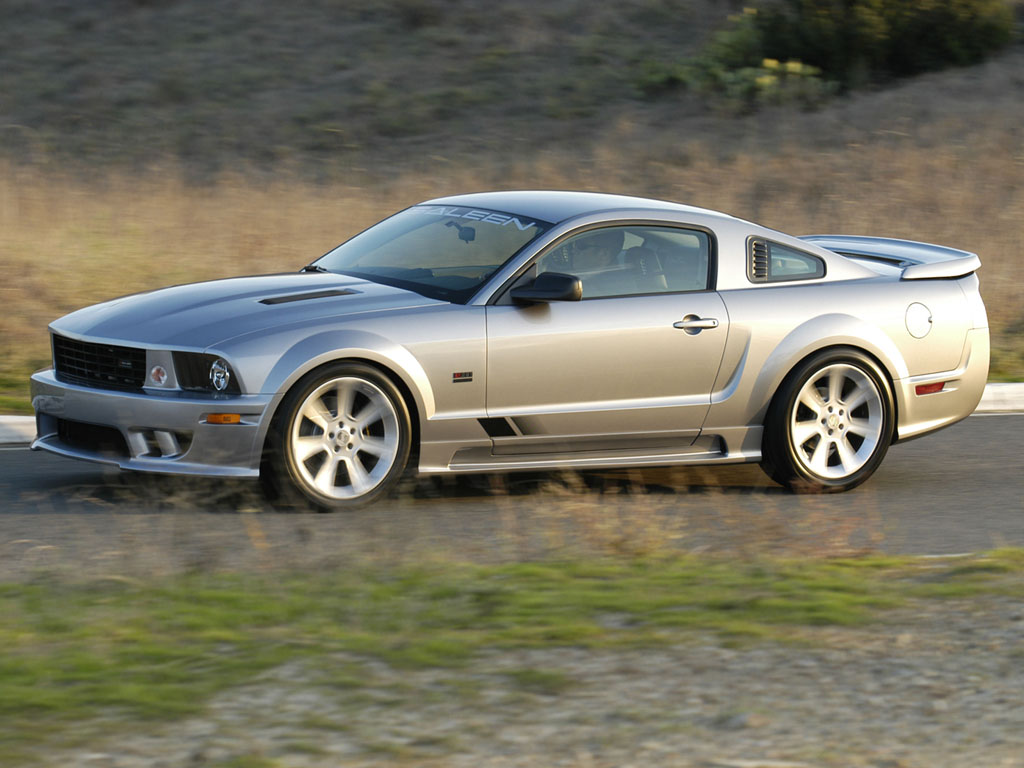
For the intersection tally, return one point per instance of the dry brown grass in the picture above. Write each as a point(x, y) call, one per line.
point(940, 159)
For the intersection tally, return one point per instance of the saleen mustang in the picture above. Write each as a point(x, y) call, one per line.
point(529, 330)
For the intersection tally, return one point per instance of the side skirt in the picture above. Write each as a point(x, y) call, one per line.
point(704, 451)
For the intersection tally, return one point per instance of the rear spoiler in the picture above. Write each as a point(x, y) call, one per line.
point(919, 261)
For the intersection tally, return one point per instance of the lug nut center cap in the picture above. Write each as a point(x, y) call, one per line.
point(833, 421)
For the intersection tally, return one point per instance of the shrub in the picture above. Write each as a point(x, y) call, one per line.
point(855, 41)
point(737, 77)
point(828, 45)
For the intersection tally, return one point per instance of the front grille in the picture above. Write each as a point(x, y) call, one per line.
point(92, 437)
point(98, 365)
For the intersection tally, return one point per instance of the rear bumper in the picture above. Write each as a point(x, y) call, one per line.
point(164, 433)
point(963, 387)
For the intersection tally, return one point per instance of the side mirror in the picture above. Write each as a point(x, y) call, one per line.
point(549, 286)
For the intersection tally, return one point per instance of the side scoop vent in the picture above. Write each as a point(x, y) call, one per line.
point(305, 296)
point(758, 261)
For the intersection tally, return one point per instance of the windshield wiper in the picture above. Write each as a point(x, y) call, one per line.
point(313, 268)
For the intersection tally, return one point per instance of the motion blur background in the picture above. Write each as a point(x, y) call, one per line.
point(621, 619)
point(151, 142)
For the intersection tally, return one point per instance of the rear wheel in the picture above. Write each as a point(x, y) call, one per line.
point(830, 424)
point(341, 439)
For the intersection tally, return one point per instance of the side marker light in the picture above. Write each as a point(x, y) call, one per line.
point(929, 389)
point(223, 418)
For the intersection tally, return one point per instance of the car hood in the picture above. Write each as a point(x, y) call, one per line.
point(201, 315)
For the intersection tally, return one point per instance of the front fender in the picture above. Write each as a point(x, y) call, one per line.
point(278, 373)
point(326, 347)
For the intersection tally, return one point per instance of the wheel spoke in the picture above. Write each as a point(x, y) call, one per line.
point(358, 477)
point(804, 431)
point(371, 414)
point(858, 397)
point(307, 447)
point(862, 427)
point(346, 393)
point(836, 378)
point(847, 456)
point(324, 479)
point(811, 399)
point(376, 446)
point(316, 412)
point(819, 458)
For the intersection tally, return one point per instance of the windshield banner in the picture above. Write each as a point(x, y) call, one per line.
point(474, 214)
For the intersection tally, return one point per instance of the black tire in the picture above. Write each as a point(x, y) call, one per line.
point(340, 440)
point(830, 423)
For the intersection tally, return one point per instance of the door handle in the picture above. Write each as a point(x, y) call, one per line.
point(694, 324)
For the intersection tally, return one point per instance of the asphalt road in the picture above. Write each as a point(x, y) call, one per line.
point(956, 491)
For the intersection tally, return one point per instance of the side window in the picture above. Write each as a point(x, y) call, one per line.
point(770, 262)
point(633, 260)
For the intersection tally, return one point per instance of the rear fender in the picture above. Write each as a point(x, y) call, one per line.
point(836, 330)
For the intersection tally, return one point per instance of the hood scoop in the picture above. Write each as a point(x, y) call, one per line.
point(305, 296)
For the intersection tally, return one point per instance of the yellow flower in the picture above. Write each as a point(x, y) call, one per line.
point(766, 81)
point(794, 67)
point(750, 11)
point(770, 63)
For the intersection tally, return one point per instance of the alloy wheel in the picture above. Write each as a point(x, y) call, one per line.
point(836, 421)
point(344, 438)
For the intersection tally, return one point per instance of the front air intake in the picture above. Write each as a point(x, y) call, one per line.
point(94, 438)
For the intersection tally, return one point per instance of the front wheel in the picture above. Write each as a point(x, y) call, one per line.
point(830, 424)
point(341, 440)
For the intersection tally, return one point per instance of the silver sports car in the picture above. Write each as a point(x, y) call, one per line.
point(529, 331)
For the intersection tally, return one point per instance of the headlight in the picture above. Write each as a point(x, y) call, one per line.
point(205, 373)
point(220, 375)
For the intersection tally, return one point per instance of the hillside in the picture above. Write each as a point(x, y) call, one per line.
point(318, 84)
point(149, 143)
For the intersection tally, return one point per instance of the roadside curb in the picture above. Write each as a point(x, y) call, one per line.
point(17, 430)
point(998, 398)
point(1002, 398)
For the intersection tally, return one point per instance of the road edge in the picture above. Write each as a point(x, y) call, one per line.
point(998, 398)
point(17, 430)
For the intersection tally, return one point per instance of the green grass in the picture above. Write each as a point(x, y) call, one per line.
point(81, 653)
point(14, 394)
point(548, 682)
point(247, 761)
point(18, 404)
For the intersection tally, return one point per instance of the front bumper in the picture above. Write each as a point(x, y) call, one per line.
point(165, 432)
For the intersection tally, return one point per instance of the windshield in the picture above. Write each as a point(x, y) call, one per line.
point(440, 251)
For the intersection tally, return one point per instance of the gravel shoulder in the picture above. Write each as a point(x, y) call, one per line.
point(936, 685)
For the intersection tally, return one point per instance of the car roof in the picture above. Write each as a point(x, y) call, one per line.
point(556, 206)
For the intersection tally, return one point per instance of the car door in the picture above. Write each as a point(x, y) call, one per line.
point(629, 367)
